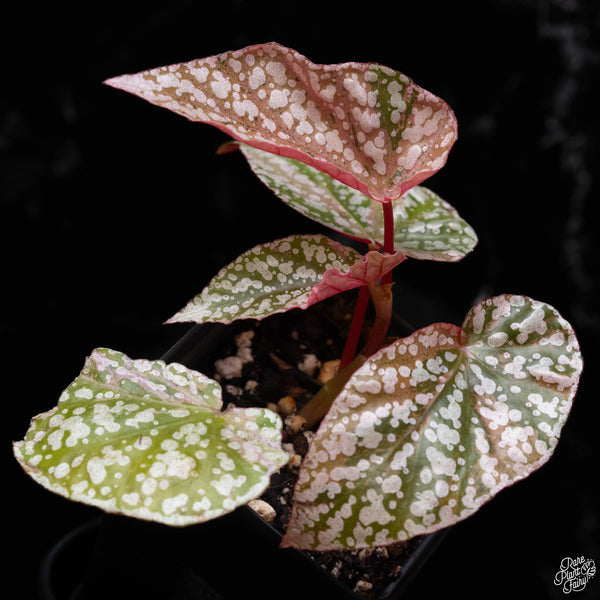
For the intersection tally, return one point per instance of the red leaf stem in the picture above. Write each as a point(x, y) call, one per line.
point(388, 226)
point(388, 235)
point(356, 327)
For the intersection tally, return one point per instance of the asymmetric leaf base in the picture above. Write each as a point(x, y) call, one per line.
point(434, 425)
point(149, 440)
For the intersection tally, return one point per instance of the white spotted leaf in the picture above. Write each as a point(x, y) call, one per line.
point(425, 226)
point(149, 440)
point(363, 123)
point(436, 424)
point(293, 272)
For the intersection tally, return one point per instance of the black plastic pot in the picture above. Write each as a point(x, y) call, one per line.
point(116, 557)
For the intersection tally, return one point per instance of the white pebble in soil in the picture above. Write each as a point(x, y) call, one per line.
point(309, 364)
point(229, 367)
point(251, 385)
point(295, 462)
point(243, 342)
point(286, 406)
point(263, 509)
point(362, 586)
point(294, 423)
point(234, 390)
point(329, 370)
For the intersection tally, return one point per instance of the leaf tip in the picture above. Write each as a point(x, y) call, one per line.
point(126, 83)
point(178, 317)
point(113, 82)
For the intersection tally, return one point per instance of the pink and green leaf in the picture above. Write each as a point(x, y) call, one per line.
point(293, 272)
point(149, 440)
point(425, 226)
point(364, 124)
point(433, 426)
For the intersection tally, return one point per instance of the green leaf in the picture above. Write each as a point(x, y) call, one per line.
point(425, 226)
point(149, 440)
point(435, 425)
point(293, 272)
point(364, 124)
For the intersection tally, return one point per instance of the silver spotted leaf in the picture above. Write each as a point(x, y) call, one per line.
point(434, 425)
point(425, 226)
point(363, 123)
point(149, 440)
point(293, 272)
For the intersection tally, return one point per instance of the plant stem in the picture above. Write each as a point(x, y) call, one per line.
point(319, 404)
point(356, 327)
point(388, 234)
point(382, 299)
point(381, 294)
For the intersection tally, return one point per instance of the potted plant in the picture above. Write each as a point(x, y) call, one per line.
point(409, 435)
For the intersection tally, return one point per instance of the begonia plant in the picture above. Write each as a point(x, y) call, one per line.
point(413, 434)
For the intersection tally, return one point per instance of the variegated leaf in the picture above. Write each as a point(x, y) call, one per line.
point(149, 440)
point(436, 424)
point(294, 272)
point(425, 226)
point(363, 123)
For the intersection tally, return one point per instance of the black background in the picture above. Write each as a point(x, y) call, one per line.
point(115, 213)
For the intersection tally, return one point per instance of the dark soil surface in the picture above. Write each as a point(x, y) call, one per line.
point(281, 357)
